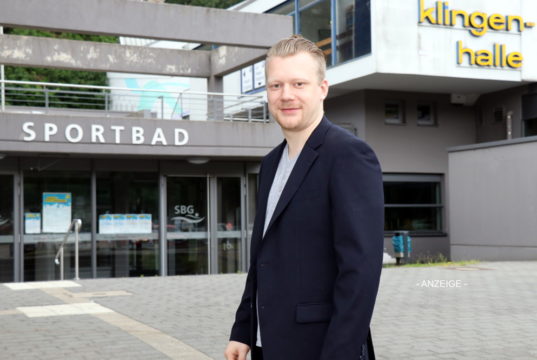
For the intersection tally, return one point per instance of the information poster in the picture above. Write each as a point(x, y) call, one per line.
point(56, 212)
point(259, 74)
point(32, 223)
point(125, 224)
point(105, 224)
point(247, 79)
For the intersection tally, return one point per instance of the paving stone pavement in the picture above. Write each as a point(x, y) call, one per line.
point(482, 311)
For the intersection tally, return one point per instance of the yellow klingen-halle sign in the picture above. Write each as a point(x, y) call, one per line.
point(478, 24)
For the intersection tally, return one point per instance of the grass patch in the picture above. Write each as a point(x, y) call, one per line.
point(431, 260)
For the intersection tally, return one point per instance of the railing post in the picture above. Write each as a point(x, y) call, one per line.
point(2, 78)
point(46, 97)
point(106, 105)
point(161, 106)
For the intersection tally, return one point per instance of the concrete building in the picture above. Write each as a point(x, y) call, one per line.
point(442, 91)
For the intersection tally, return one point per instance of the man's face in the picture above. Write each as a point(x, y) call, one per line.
point(295, 93)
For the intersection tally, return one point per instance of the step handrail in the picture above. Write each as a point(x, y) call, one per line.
point(58, 260)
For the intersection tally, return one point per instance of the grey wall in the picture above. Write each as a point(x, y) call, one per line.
point(239, 140)
point(411, 148)
point(493, 201)
point(488, 129)
point(348, 111)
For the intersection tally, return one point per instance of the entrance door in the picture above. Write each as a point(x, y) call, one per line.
point(228, 224)
point(204, 225)
point(6, 228)
point(187, 225)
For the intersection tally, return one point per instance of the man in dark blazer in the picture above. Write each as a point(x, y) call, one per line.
point(317, 242)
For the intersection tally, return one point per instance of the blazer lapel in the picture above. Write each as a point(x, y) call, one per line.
point(307, 157)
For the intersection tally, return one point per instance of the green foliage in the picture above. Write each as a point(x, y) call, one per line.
point(29, 97)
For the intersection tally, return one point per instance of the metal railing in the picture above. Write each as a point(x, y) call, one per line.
point(119, 101)
point(58, 259)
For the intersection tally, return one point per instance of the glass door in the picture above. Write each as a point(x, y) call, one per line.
point(52, 199)
point(229, 224)
point(187, 225)
point(6, 228)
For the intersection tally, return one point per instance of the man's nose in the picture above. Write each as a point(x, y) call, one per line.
point(287, 92)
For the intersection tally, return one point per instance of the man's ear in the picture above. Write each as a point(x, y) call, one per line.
point(324, 89)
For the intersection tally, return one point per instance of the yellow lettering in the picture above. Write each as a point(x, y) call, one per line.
point(511, 19)
point(514, 60)
point(479, 26)
point(464, 14)
point(439, 13)
point(461, 51)
point(426, 14)
point(484, 58)
point(497, 22)
point(497, 50)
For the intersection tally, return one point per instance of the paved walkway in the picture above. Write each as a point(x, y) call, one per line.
point(482, 311)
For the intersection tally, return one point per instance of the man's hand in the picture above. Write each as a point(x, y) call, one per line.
point(236, 351)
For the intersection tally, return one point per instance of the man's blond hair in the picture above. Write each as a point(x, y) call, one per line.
point(296, 44)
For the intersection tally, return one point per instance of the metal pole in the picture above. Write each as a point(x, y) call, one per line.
point(61, 263)
point(77, 228)
point(161, 107)
point(2, 75)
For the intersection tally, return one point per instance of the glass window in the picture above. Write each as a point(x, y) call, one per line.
point(229, 224)
point(315, 25)
point(394, 112)
point(187, 225)
point(52, 199)
point(530, 127)
point(6, 228)
point(346, 19)
point(413, 205)
point(425, 114)
point(127, 224)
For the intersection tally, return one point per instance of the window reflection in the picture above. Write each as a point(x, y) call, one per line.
point(127, 229)
point(6, 228)
point(41, 244)
point(187, 225)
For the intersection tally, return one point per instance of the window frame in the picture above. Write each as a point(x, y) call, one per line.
point(417, 178)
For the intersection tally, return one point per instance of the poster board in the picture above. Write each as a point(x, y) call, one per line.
point(57, 208)
point(125, 224)
point(32, 223)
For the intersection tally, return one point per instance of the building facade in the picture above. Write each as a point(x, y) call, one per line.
point(168, 187)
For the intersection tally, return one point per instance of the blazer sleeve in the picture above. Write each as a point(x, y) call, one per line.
point(357, 211)
point(243, 325)
point(241, 328)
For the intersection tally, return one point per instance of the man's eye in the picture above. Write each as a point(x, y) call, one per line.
point(274, 86)
point(299, 84)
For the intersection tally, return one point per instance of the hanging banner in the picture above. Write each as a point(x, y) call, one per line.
point(56, 212)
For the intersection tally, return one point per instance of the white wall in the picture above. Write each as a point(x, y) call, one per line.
point(403, 46)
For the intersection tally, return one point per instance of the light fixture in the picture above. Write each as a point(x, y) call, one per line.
point(198, 160)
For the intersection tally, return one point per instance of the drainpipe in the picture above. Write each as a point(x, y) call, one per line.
point(509, 125)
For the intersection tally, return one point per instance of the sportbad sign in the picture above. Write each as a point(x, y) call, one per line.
point(118, 134)
point(478, 23)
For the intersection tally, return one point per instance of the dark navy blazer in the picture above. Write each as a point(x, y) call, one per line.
point(317, 269)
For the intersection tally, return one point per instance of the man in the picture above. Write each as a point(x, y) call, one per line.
point(317, 241)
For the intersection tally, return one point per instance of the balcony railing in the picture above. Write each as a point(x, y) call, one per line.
point(42, 97)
